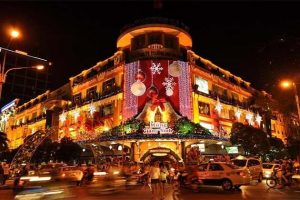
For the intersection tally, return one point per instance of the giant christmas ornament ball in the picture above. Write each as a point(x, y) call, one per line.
point(175, 69)
point(138, 88)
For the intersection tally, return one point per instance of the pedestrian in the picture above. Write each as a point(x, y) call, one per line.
point(176, 180)
point(163, 179)
point(1, 174)
point(5, 173)
point(154, 177)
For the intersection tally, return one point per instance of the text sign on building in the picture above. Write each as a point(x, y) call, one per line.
point(158, 128)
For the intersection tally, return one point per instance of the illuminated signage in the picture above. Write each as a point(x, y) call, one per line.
point(232, 150)
point(158, 127)
point(159, 151)
point(202, 85)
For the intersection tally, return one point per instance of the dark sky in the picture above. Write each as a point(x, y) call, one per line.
point(256, 41)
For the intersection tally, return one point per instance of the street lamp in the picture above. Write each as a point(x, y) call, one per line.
point(3, 75)
point(288, 84)
point(14, 34)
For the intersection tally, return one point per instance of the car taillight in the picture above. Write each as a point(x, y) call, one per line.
point(242, 173)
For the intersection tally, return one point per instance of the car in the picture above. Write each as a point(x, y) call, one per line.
point(269, 168)
point(61, 172)
point(222, 174)
point(252, 164)
point(51, 169)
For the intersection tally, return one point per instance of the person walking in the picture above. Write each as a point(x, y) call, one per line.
point(5, 172)
point(163, 179)
point(154, 174)
point(1, 174)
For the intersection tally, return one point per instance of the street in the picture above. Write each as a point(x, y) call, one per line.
point(259, 191)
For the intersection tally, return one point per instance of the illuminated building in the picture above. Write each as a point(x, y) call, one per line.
point(148, 99)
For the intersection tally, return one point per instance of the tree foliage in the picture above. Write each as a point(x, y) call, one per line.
point(68, 150)
point(65, 151)
point(186, 126)
point(293, 145)
point(254, 141)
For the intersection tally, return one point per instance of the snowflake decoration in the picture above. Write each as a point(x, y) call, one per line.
point(62, 117)
point(169, 83)
point(156, 68)
point(258, 119)
point(92, 109)
point(218, 106)
point(238, 114)
point(249, 117)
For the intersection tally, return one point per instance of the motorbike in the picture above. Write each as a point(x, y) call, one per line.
point(276, 179)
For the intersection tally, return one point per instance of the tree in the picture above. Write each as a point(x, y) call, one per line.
point(293, 146)
point(45, 152)
point(277, 148)
point(253, 140)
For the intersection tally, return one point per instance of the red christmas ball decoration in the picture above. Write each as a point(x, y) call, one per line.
point(140, 76)
point(152, 91)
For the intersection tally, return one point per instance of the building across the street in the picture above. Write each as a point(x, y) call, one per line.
point(153, 98)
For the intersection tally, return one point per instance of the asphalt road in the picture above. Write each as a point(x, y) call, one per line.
point(257, 192)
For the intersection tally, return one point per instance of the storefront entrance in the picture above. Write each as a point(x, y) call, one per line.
point(160, 154)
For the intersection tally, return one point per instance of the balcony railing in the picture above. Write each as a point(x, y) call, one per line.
point(135, 136)
point(164, 53)
point(223, 99)
point(81, 79)
point(98, 96)
point(29, 122)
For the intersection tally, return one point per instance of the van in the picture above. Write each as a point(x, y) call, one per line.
point(252, 164)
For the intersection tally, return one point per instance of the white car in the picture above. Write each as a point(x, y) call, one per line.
point(268, 169)
point(251, 164)
point(222, 174)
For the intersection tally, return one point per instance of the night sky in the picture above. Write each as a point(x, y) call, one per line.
point(259, 42)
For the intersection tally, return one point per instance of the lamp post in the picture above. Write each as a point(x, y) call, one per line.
point(288, 84)
point(4, 74)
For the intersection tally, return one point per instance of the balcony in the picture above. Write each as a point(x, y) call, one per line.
point(146, 53)
point(90, 75)
point(223, 99)
point(98, 96)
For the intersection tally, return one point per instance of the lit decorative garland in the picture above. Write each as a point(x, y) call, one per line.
point(219, 106)
point(184, 85)
point(130, 105)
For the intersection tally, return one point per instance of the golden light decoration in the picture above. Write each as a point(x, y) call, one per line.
point(175, 69)
point(138, 88)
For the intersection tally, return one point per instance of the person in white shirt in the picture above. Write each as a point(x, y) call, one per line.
point(154, 177)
